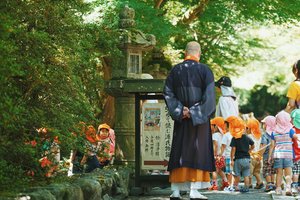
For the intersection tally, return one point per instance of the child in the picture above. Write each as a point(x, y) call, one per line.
point(268, 125)
point(240, 157)
point(283, 150)
point(106, 138)
point(296, 147)
point(225, 151)
point(92, 148)
point(218, 129)
point(253, 132)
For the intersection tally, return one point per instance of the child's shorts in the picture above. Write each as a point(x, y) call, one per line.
point(283, 163)
point(255, 166)
point(268, 168)
point(296, 168)
point(242, 167)
point(228, 168)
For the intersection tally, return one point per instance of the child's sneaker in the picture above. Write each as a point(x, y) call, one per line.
point(288, 193)
point(236, 188)
point(278, 191)
point(213, 187)
point(269, 188)
point(294, 188)
point(224, 185)
point(244, 190)
point(229, 189)
point(259, 186)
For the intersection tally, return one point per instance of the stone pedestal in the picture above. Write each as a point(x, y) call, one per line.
point(125, 128)
point(123, 91)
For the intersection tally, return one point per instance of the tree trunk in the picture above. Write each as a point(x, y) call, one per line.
point(196, 12)
point(108, 114)
point(158, 4)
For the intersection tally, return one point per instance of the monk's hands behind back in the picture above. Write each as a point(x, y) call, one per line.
point(186, 113)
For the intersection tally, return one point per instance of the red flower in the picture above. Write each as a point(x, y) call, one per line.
point(56, 140)
point(45, 162)
point(33, 143)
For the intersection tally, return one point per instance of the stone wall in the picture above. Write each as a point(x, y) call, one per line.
point(103, 184)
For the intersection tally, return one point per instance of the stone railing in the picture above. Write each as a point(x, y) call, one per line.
point(103, 184)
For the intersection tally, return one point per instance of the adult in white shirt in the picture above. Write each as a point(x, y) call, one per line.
point(227, 105)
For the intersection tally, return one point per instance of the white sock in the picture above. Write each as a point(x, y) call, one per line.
point(194, 193)
point(175, 193)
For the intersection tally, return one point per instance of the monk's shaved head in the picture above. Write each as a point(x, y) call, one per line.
point(193, 48)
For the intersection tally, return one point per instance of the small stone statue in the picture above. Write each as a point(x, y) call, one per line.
point(127, 18)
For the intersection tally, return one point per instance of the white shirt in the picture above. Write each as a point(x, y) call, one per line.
point(217, 136)
point(227, 104)
point(227, 140)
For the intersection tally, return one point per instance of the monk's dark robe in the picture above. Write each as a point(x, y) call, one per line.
point(191, 84)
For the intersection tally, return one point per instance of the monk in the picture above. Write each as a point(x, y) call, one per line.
point(190, 97)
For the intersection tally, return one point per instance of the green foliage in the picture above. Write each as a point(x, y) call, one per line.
point(7, 181)
point(217, 29)
point(266, 99)
point(276, 11)
point(152, 21)
point(261, 101)
point(49, 77)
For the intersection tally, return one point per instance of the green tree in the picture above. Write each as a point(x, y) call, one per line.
point(216, 24)
point(49, 78)
point(262, 102)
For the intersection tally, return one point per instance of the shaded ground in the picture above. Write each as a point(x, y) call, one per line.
point(163, 194)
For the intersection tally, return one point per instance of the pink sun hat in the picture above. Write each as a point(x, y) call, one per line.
point(270, 122)
point(283, 122)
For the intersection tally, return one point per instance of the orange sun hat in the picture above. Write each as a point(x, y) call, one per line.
point(103, 136)
point(253, 125)
point(220, 123)
point(230, 118)
point(101, 126)
point(237, 127)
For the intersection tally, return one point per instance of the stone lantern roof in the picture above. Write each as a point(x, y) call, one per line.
point(131, 37)
point(132, 43)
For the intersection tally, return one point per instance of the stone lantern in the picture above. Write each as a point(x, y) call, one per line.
point(126, 81)
point(133, 43)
